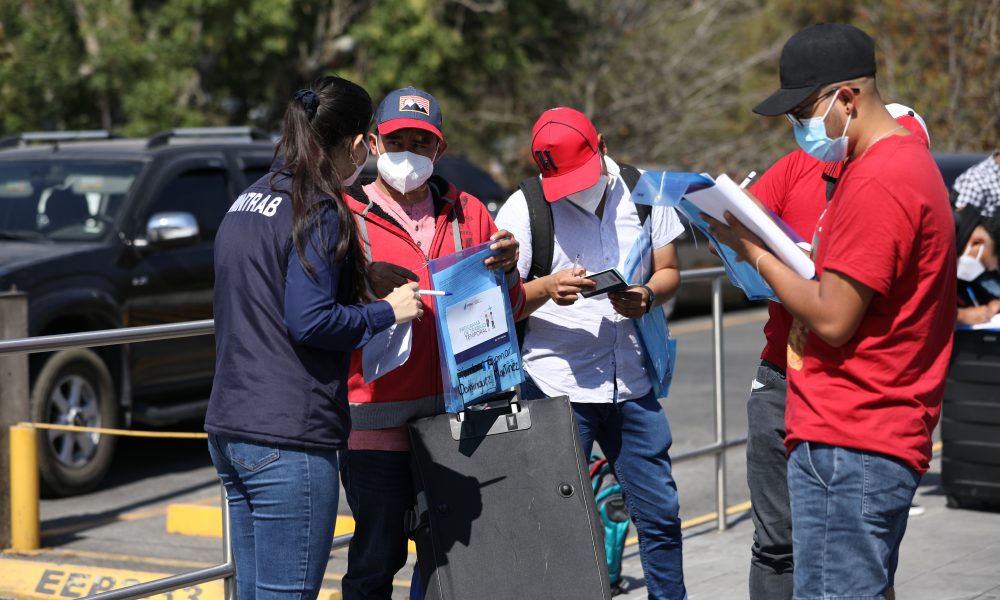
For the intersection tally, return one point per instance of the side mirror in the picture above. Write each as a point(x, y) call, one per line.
point(170, 228)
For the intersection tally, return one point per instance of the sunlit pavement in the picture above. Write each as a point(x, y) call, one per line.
point(947, 554)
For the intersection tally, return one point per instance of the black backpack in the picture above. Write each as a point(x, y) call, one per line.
point(543, 230)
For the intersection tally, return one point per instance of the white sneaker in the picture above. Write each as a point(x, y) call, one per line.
point(916, 510)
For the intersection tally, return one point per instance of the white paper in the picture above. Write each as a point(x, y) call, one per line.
point(478, 320)
point(993, 323)
point(726, 195)
point(386, 351)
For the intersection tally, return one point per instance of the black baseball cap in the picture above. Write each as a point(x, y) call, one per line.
point(816, 56)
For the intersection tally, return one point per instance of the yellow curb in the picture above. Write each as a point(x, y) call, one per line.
point(194, 519)
point(706, 518)
point(60, 554)
point(46, 581)
point(206, 521)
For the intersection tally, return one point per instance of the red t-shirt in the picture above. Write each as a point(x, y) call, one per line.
point(889, 226)
point(794, 189)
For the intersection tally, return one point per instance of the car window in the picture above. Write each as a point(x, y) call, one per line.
point(203, 193)
point(62, 200)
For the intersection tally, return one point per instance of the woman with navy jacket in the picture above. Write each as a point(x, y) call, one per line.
point(292, 300)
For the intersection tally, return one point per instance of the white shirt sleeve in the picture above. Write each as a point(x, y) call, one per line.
point(513, 216)
point(666, 226)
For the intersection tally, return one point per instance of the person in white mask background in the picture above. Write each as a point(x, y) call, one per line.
point(587, 348)
point(978, 274)
point(405, 218)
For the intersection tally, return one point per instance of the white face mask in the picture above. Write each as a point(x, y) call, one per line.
point(590, 198)
point(349, 181)
point(405, 171)
point(969, 269)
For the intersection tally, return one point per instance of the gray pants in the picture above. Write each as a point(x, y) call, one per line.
point(771, 554)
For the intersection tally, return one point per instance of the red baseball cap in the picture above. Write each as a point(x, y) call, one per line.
point(565, 148)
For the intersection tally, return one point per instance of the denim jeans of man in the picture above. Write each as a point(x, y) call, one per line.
point(635, 438)
point(771, 553)
point(379, 489)
point(849, 512)
point(282, 509)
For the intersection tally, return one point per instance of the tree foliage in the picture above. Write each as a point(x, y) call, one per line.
point(669, 82)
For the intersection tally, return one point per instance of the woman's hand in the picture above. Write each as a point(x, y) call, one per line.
point(630, 303)
point(405, 302)
point(564, 287)
point(974, 315)
point(507, 256)
point(386, 277)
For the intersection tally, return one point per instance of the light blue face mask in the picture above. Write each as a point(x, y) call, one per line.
point(811, 136)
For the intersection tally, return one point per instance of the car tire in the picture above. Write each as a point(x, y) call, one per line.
point(74, 388)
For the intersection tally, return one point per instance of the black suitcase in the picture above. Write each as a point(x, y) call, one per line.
point(970, 423)
point(505, 507)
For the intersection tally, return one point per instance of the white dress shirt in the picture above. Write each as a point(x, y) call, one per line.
point(587, 351)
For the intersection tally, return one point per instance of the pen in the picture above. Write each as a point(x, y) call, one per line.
point(433, 293)
point(972, 296)
point(576, 263)
point(748, 179)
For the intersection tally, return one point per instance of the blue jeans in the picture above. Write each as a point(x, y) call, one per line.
point(849, 511)
point(635, 438)
point(379, 489)
point(282, 510)
point(771, 554)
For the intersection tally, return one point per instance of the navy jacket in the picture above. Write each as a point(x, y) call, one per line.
point(283, 338)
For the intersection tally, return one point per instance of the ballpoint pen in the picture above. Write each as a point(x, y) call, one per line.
point(746, 180)
point(576, 263)
point(433, 293)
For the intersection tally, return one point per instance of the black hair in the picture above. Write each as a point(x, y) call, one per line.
point(966, 221)
point(992, 226)
point(320, 121)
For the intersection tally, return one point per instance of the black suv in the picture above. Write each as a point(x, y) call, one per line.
point(104, 232)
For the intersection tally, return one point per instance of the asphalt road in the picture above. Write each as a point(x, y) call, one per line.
point(126, 516)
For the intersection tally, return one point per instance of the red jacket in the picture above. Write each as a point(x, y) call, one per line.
point(414, 389)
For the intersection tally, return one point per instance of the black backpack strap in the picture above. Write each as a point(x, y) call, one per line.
point(542, 229)
point(630, 175)
point(831, 174)
point(542, 238)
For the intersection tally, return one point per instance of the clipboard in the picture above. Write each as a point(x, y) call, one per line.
point(726, 195)
point(609, 280)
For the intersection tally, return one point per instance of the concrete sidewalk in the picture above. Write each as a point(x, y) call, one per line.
point(947, 554)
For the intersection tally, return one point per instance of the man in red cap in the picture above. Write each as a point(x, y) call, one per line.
point(587, 348)
point(869, 347)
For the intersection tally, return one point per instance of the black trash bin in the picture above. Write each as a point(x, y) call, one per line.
point(970, 425)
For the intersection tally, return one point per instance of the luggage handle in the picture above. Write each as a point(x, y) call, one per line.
point(503, 413)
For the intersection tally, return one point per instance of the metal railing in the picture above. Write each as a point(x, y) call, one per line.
point(107, 337)
point(226, 571)
point(721, 444)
